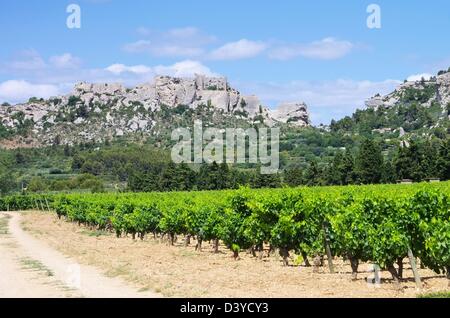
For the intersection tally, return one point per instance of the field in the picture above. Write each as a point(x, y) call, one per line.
point(180, 271)
point(303, 242)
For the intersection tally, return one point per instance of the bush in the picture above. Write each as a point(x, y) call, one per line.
point(37, 184)
point(73, 101)
point(55, 171)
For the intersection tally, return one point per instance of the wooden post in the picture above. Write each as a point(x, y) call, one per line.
point(447, 269)
point(42, 205)
point(412, 261)
point(46, 202)
point(328, 249)
point(376, 269)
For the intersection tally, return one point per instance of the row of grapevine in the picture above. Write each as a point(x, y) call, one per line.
point(379, 224)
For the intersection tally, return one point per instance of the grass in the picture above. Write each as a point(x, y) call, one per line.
point(4, 224)
point(144, 289)
point(120, 270)
point(94, 233)
point(29, 263)
point(443, 294)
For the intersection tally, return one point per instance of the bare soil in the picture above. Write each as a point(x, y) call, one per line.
point(180, 271)
point(30, 268)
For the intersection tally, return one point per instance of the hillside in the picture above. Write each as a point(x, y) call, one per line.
point(104, 112)
point(105, 136)
point(414, 109)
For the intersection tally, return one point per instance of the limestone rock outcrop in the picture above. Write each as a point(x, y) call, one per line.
point(436, 89)
point(99, 111)
point(292, 113)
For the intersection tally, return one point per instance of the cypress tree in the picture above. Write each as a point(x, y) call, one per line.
point(369, 163)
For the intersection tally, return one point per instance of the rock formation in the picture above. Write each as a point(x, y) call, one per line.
point(96, 112)
point(437, 89)
point(293, 113)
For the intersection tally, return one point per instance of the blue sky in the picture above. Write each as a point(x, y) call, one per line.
point(319, 52)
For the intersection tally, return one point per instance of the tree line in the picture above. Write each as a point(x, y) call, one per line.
point(416, 161)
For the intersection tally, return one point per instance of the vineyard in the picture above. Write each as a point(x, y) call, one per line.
point(378, 224)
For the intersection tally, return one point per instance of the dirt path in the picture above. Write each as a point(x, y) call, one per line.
point(20, 276)
point(30, 268)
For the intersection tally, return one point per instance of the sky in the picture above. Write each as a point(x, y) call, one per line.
point(319, 52)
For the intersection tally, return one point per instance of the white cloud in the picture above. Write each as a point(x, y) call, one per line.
point(191, 33)
point(190, 42)
point(138, 46)
point(186, 68)
point(418, 77)
point(65, 60)
point(118, 69)
point(238, 50)
point(28, 60)
point(162, 50)
point(326, 49)
point(178, 42)
point(14, 91)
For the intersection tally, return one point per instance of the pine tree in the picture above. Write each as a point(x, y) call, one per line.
point(369, 163)
point(169, 176)
point(335, 173)
point(266, 180)
point(223, 176)
point(293, 177)
point(186, 177)
point(313, 175)
point(388, 175)
point(443, 161)
point(429, 164)
point(348, 168)
point(408, 162)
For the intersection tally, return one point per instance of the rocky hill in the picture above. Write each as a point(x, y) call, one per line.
point(425, 92)
point(99, 112)
point(414, 109)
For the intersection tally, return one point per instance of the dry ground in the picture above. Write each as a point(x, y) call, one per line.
point(30, 268)
point(180, 271)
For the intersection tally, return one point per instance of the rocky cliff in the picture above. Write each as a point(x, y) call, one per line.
point(436, 90)
point(292, 113)
point(99, 112)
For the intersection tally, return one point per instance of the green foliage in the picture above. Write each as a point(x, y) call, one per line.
point(435, 295)
point(366, 223)
point(37, 184)
point(7, 183)
point(4, 132)
point(73, 101)
point(369, 163)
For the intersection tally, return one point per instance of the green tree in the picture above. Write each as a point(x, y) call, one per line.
point(266, 180)
point(169, 178)
point(348, 168)
point(443, 161)
point(37, 184)
point(313, 175)
point(369, 162)
point(335, 172)
point(388, 173)
point(408, 161)
point(293, 177)
point(7, 183)
point(186, 177)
